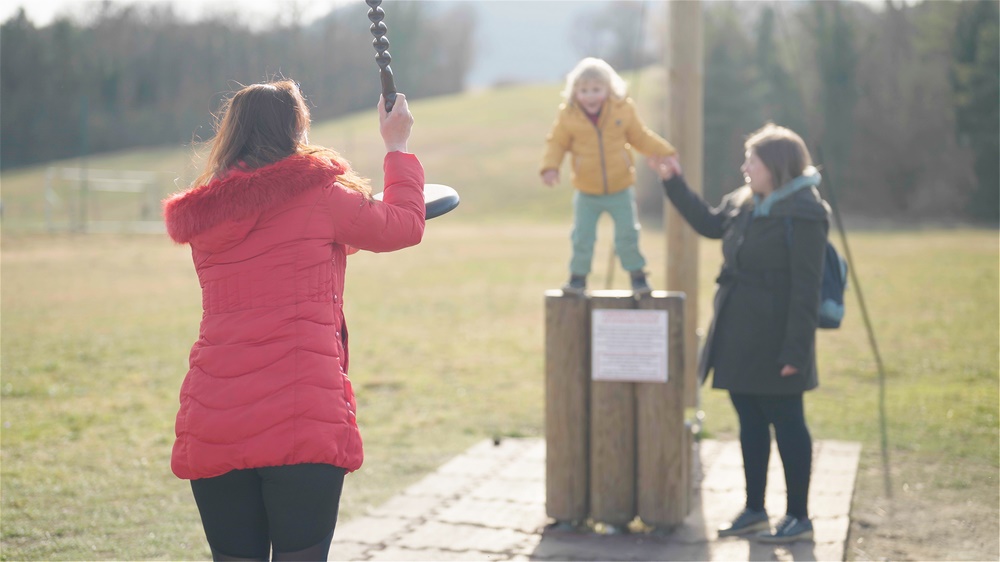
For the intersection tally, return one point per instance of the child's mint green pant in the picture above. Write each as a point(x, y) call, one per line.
point(586, 210)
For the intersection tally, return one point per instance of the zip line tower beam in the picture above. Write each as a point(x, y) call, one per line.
point(685, 77)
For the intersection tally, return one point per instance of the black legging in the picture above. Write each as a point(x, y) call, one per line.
point(786, 413)
point(288, 510)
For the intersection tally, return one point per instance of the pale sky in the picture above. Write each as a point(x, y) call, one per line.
point(42, 12)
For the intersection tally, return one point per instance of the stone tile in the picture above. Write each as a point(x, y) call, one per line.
point(344, 551)
point(722, 477)
point(468, 465)
point(735, 548)
point(522, 469)
point(406, 507)
point(831, 530)
point(695, 529)
point(826, 481)
point(488, 504)
point(438, 485)
point(534, 449)
point(717, 507)
point(581, 546)
point(435, 534)
point(795, 552)
point(409, 555)
point(709, 449)
point(530, 544)
point(525, 491)
point(840, 448)
point(372, 530)
point(829, 505)
point(730, 450)
point(829, 551)
point(528, 518)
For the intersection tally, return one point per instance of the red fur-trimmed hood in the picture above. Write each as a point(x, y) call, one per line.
point(226, 209)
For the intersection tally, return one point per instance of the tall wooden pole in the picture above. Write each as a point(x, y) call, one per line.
point(684, 94)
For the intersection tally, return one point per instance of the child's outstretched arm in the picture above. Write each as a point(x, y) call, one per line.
point(644, 139)
point(557, 143)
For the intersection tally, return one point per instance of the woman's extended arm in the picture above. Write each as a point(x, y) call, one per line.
point(705, 220)
point(398, 220)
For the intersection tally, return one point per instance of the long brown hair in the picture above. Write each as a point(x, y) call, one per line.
point(782, 150)
point(263, 123)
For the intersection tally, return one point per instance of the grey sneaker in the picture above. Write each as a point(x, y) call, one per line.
point(576, 285)
point(639, 284)
point(789, 529)
point(747, 521)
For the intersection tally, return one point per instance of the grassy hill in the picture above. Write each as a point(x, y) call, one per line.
point(487, 145)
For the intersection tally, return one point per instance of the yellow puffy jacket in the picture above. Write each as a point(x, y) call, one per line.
point(602, 154)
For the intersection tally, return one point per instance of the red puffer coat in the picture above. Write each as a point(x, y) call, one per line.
point(267, 384)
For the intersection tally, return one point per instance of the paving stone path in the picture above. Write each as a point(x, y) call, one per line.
point(489, 504)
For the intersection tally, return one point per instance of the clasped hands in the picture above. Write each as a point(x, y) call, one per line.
point(665, 166)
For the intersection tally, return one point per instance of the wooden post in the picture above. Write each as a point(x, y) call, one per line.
point(684, 92)
point(612, 436)
point(664, 455)
point(614, 449)
point(567, 403)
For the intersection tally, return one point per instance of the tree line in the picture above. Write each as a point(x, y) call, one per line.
point(900, 103)
point(140, 75)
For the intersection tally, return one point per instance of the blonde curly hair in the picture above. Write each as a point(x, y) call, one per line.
point(597, 70)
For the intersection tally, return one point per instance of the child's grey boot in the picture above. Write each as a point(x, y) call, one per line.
point(576, 285)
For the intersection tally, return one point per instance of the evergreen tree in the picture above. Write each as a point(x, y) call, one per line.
point(976, 81)
point(836, 62)
point(781, 97)
point(136, 75)
point(906, 160)
point(732, 96)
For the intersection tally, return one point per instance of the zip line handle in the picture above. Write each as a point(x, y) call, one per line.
point(381, 43)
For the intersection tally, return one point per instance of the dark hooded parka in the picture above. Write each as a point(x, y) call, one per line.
point(766, 305)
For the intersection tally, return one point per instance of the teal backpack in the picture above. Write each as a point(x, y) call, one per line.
point(834, 283)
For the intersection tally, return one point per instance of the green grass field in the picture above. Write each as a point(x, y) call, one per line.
point(447, 349)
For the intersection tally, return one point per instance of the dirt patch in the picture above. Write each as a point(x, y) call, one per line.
point(937, 511)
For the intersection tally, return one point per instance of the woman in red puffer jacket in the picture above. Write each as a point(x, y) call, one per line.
point(267, 426)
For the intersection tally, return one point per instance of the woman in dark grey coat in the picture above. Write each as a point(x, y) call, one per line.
point(761, 345)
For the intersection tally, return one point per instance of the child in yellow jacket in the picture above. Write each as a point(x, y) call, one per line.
point(599, 125)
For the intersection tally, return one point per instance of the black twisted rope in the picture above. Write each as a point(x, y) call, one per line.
point(376, 14)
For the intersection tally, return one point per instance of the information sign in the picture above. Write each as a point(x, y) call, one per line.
point(629, 345)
